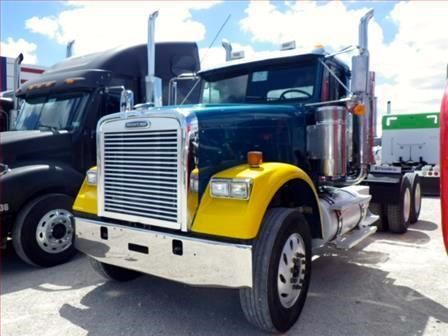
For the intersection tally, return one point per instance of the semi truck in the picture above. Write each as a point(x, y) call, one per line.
point(411, 142)
point(45, 157)
point(241, 190)
point(12, 74)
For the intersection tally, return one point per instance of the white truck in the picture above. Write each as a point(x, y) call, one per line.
point(411, 142)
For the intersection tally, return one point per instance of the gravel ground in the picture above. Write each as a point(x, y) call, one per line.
point(388, 285)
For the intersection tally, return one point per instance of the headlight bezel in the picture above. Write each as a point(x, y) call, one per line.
point(228, 187)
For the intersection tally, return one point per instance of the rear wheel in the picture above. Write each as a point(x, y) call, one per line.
point(281, 271)
point(378, 209)
point(111, 272)
point(398, 215)
point(416, 196)
point(43, 232)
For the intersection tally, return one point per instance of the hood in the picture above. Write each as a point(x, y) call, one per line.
point(228, 131)
point(17, 147)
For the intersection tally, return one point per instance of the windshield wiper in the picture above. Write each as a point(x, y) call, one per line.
point(51, 128)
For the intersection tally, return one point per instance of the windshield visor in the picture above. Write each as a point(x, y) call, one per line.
point(62, 111)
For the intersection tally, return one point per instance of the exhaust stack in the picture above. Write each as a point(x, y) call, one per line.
point(228, 48)
point(153, 83)
point(13, 112)
point(69, 49)
point(363, 84)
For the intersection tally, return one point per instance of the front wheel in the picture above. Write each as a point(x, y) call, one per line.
point(281, 271)
point(43, 232)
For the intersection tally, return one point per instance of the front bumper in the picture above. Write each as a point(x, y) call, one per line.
point(192, 261)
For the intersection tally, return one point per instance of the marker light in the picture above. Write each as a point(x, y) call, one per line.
point(231, 188)
point(91, 176)
point(254, 159)
point(359, 110)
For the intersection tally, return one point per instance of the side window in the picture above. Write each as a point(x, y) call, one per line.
point(336, 90)
point(111, 103)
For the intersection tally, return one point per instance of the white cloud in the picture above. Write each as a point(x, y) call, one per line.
point(96, 25)
point(12, 48)
point(413, 64)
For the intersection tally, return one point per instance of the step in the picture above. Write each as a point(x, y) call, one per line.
point(354, 237)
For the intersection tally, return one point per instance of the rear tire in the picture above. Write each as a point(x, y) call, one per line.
point(416, 196)
point(398, 215)
point(43, 232)
point(111, 272)
point(281, 271)
point(378, 209)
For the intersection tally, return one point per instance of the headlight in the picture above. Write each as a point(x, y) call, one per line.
point(231, 188)
point(194, 182)
point(91, 176)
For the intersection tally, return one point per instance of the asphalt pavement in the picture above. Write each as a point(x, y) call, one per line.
point(387, 285)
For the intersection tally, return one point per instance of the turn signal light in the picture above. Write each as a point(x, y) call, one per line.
point(254, 159)
point(359, 110)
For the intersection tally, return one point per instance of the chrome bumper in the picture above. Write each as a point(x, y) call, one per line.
point(193, 261)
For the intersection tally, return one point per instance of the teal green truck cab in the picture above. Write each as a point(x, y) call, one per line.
point(237, 191)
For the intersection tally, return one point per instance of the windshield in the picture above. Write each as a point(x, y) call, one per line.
point(272, 85)
point(62, 111)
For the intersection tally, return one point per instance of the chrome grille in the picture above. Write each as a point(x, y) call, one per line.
point(140, 174)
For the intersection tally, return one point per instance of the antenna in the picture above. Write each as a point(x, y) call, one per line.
point(205, 56)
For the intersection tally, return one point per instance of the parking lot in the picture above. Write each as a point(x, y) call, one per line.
point(388, 285)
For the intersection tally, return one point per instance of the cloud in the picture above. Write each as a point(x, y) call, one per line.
point(98, 26)
point(412, 66)
point(12, 48)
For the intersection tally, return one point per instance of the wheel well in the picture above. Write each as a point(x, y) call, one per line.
point(298, 194)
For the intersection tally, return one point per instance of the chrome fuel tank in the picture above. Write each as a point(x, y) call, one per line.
point(327, 141)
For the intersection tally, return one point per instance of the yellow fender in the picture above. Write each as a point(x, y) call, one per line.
point(86, 200)
point(242, 219)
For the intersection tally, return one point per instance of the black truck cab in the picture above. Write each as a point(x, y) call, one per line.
point(45, 157)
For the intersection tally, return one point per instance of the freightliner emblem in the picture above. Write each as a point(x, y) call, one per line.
point(134, 124)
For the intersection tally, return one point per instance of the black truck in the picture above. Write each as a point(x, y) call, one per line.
point(45, 158)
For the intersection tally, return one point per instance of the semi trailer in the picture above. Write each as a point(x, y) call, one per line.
point(240, 190)
point(45, 157)
point(410, 142)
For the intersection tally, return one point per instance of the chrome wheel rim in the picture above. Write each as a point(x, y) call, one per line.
point(291, 270)
point(417, 198)
point(54, 232)
point(406, 205)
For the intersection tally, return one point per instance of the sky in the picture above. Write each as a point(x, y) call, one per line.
point(408, 40)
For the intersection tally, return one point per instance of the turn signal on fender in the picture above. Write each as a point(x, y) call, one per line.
point(254, 159)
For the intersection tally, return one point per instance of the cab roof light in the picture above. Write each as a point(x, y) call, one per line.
point(254, 159)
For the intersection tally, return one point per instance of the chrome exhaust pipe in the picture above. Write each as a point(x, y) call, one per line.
point(13, 113)
point(153, 83)
point(228, 48)
point(69, 49)
point(363, 83)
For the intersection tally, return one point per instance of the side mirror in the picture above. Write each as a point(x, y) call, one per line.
point(183, 87)
point(126, 100)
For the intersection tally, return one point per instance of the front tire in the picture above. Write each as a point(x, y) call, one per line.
point(111, 272)
point(43, 232)
point(281, 271)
